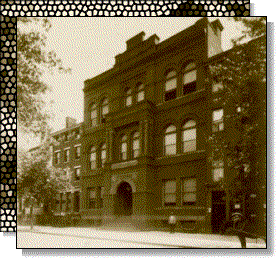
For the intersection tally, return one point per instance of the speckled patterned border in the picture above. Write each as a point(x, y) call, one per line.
point(12, 9)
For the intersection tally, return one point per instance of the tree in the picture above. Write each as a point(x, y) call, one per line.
point(32, 61)
point(38, 184)
point(242, 71)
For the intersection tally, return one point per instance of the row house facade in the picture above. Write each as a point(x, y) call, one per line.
point(144, 149)
point(66, 155)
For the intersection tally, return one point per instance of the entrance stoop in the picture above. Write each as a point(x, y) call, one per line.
point(121, 223)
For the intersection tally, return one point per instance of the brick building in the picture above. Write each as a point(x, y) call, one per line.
point(66, 151)
point(145, 152)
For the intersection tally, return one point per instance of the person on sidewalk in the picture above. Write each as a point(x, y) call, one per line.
point(172, 222)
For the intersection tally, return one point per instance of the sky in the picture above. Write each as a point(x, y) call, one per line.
point(88, 46)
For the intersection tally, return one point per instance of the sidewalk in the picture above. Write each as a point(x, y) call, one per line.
point(177, 240)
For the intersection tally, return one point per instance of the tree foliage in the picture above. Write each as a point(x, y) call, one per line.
point(242, 71)
point(32, 61)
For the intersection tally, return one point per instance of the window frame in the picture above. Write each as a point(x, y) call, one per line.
point(164, 193)
point(183, 192)
point(66, 155)
point(76, 151)
point(135, 137)
point(189, 128)
point(123, 141)
point(217, 165)
point(92, 202)
point(193, 83)
point(77, 177)
point(103, 150)
point(93, 150)
point(219, 122)
point(140, 90)
point(94, 120)
point(104, 104)
point(167, 134)
point(169, 78)
point(128, 96)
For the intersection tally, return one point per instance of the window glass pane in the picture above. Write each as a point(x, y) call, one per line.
point(128, 92)
point(140, 87)
point(170, 150)
point(217, 114)
point(171, 129)
point(218, 173)
point(103, 154)
point(136, 144)
point(170, 84)
point(140, 96)
point(189, 146)
point(190, 66)
point(189, 185)
point(170, 139)
point(190, 123)
point(105, 110)
point(93, 156)
point(170, 186)
point(128, 101)
point(221, 126)
point(124, 147)
point(189, 197)
point(170, 198)
point(189, 77)
point(92, 194)
point(135, 153)
point(136, 135)
point(171, 74)
point(189, 134)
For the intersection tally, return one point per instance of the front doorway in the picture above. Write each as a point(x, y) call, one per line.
point(123, 202)
point(218, 210)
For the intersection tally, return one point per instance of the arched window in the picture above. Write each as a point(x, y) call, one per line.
point(170, 141)
point(189, 78)
point(170, 85)
point(94, 118)
point(135, 144)
point(124, 147)
point(104, 109)
point(189, 136)
point(103, 154)
point(128, 97)
point(93, 158)
point(140, 92)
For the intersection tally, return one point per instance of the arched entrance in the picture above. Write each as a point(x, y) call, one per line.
point(124, 199)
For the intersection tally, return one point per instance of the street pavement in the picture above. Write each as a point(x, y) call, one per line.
point(73, 237)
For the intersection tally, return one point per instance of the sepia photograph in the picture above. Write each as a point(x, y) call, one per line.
point(141, 132)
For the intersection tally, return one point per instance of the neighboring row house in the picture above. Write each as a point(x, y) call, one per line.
point(66, 154)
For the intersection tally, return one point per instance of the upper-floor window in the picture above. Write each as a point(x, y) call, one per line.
point(128, 97)
point(94, 115)
point(140, 92)
point(57, 157)
point(170, 85)
point(77, 173)
point(135, 144)
point(93, 158)
point(218, 124)
point(169, 193)
point(217, 86)
point(77, 152)
point(218, 170)
point(103, 154)
point(188, 191)
point(66, 156)
point(170, 141)
point(189, 78)
point(189, 136)
point(124, 147)
point(104, 109)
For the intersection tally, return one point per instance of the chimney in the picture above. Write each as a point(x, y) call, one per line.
point(70, 122)
point(134, 41)
point(214, 37)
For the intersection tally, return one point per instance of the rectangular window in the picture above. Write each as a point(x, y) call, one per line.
point(57, 157)
point(103, 157)
point(218, 124)
point(218, 170)
point(94, 117)
point(170, 89)
point(128, 101)
point(92, 195)
point(188, 191)
point(93, 160)
point(124, 151)
point(189, 77)
point(169, 191)
point(66, 157)
point(78, 151)
point(101, 189)
point(77, 173)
